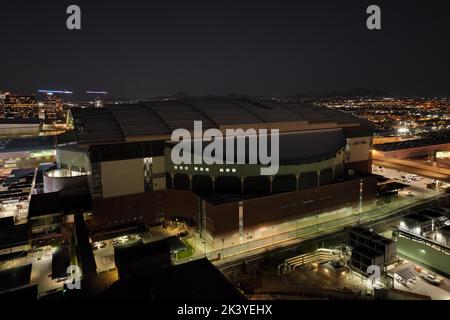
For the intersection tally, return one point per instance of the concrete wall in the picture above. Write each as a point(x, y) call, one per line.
point(122, 177)
point(424, 254)
point(263, 211)
point(53, 184)
point(359, 149)
point(221, 219)
point(150, 207)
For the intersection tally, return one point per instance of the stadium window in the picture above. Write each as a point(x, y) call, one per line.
point(201, 169)
point(196, 168)
point(233, 170)
point(186, 168)
point(207, 169)
point(221, 170)
point(227, 170)
point(175, 167)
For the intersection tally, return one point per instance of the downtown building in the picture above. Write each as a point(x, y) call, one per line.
point(123, 154)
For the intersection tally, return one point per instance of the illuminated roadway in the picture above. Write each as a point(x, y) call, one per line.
point(414, 168)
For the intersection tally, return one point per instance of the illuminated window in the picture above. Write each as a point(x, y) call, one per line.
point(201, 169)
point(221, 170)
point(207, 169)
point(227, 170)
point(175, 167)
point(233, 170)
point(196, 168)
point(186, 168)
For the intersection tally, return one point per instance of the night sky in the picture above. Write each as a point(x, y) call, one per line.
point(147, 48)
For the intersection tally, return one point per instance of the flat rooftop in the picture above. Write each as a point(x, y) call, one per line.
point(14, 235)
point(156, 120)
point(409, 144)
point(36, 122)
point(27, 144)
point(431, 214)
point(15, 278)
point(417, 217)
point(370, 235)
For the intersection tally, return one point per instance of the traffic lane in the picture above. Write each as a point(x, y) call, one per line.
point(413, 170)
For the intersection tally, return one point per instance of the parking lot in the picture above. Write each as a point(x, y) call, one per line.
point(104, 250)
point(419, 284)
point(417, 184)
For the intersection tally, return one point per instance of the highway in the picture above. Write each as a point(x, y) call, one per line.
point(414, 168)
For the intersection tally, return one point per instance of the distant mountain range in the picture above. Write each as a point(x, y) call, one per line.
point(360, 92)
point(357, 92)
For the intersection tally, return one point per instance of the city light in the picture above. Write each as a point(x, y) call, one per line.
point(55, 91)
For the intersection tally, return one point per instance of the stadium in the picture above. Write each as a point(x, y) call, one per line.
point(124, 153)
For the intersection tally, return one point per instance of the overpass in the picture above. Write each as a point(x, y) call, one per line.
point(413, 167)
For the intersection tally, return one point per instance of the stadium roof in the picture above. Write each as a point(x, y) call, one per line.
point(156, 120)
point(321, 145)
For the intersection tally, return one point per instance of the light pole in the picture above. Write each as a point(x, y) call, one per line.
point(248, 242)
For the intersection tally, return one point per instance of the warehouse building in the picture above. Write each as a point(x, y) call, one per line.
point(124, 152)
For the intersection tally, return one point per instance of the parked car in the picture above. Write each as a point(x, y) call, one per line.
point(430, 278)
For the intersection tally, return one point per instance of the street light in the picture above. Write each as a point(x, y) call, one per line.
point(248, 242)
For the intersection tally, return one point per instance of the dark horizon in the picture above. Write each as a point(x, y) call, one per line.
point(151, 48)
